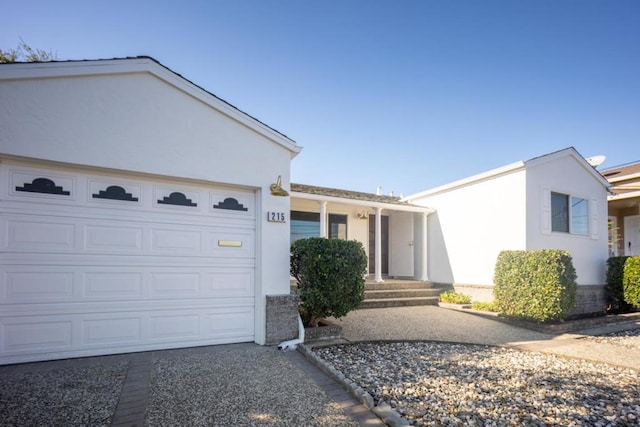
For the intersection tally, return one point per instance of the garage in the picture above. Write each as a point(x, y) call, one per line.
point(134, 212)
point(97, 264)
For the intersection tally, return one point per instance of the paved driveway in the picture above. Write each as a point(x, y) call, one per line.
point(227, 385)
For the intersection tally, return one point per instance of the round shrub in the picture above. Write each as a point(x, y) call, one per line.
point(330, 275)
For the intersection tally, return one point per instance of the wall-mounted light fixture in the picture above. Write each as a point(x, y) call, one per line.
point(276, 188)
point(362, 215)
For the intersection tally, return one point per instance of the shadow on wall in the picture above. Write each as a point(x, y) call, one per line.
point(439, 263)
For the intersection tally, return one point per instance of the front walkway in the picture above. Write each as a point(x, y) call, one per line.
point(432, 323)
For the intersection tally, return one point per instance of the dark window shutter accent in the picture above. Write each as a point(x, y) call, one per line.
point(115, 192)
point(43, 185)
point(230, 204)
point(178, 199)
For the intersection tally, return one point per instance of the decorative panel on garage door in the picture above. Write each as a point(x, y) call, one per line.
point(100, 264)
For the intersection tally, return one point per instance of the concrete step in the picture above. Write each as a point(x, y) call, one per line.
point(398, 302)
point(400, 293)
point(373, 286)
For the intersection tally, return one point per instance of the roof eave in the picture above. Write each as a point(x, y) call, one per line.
point(504, 170)
point(570, 151)
point(362, 203)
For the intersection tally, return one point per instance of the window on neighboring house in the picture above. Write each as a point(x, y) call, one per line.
point(304, 225)
point(569, 214)
point(337, 226)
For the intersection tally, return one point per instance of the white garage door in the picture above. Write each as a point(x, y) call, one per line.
point(96, 263)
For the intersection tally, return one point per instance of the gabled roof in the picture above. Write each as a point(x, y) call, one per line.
point(569, 151)
point(353, 197)
point(511, 168)
point(142, 64)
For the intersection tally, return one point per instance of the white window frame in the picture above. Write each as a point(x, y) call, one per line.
point(589, 216)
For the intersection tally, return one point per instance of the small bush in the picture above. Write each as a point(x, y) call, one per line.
point(484, 306)
point(535, 285)
point(330, 274)
point(631, 281)
point(454, 298)
point(614, 289)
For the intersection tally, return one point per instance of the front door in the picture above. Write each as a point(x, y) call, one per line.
point(384, 243)
point(632, 235)
point(401, 245)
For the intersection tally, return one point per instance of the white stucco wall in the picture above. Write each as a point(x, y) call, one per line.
point(472, 224)
point(569, 176)
point(503, 209)
point(135, 115)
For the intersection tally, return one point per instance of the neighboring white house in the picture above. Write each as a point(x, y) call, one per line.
point(133, 213)
point(556, 201)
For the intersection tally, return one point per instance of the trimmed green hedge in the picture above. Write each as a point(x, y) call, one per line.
point(535, 285)
point(631, 281)
point(614, 289)
point(330, 274)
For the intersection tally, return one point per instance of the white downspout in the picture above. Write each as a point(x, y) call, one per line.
point(292, 344)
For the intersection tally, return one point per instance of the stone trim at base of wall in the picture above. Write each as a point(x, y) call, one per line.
point(282, 318)
point(590, 299)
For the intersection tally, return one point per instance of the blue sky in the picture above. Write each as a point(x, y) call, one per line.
point(404, 94)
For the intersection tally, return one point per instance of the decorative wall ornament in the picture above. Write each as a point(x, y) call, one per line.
point(43, 185)
point(115, 192)
point(276, 188)
point(178, 199)
point(230, 204)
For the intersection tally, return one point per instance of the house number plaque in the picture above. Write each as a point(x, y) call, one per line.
point(276, 217)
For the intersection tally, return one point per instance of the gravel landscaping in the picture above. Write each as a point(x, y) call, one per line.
point(434, 383)
point(71, 396)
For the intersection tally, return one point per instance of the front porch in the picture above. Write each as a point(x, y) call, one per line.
point(393, 292)
point(393, 233)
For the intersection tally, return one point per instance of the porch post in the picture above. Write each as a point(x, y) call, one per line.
point(378, 242)
point(323, 220)
point(424, 275)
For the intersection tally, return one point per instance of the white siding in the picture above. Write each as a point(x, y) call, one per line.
point(472, 224)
